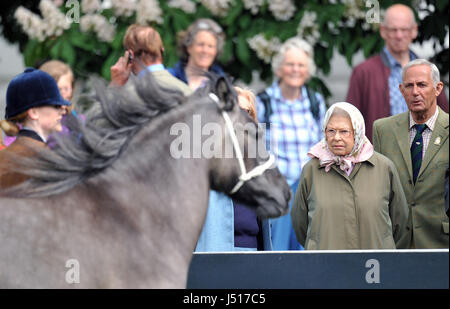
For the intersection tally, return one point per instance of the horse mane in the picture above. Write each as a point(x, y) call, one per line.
point(116, 115)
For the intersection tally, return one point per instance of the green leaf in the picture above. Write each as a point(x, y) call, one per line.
point(68, 52)
point(118, 39)
point(369, 44)
point(242, 50)
point(244, 22)
point(55, 51)
point(109, 62)
point(233, 13)
point(180, 21)
point(351, 50)
point(29, 53)
point(227, 52)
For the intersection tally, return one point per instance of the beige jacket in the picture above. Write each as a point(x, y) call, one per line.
point(165, 79)
point(366, 210)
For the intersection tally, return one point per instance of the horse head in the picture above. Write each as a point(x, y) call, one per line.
point(249, 175)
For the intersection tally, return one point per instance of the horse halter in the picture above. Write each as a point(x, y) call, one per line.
point(256, 171)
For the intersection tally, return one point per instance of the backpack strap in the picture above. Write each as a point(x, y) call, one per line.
point(265, 99)
point(314, 103)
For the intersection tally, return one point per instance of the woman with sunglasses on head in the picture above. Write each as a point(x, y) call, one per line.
point(199, 47)
point(349, 196)
point(33, 100)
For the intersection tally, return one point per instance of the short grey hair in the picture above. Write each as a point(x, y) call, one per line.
point(435, 75)
point(294, 43)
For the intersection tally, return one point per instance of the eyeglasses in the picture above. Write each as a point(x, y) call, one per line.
point(395, 30)
point(291, 65)
point(342, 133)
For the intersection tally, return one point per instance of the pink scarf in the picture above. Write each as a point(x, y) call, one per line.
point(345, 163)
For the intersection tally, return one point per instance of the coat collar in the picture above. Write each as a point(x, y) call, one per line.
point(402, 137)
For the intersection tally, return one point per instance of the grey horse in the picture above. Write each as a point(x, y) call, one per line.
point(111, 207)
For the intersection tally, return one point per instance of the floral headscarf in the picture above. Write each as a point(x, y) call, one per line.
point(362, 149)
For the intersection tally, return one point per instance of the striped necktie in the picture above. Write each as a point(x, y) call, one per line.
point(417, 150)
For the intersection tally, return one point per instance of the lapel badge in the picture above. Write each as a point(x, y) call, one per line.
point(437, 141)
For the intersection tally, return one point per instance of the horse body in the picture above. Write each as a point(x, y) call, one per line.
point(135, 224)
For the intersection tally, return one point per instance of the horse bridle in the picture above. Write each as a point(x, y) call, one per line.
point(256, 171)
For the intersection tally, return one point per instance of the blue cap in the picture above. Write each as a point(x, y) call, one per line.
point(32, 88)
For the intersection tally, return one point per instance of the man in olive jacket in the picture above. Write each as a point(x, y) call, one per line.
point(393, 136)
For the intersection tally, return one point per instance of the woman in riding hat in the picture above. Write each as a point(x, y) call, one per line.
point(33, 100)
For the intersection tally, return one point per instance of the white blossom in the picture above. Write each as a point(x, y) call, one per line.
point(253, 5)
point(185, 5)
point(282, 9)
point(124, 7)
point(90, 6)
point(31, 23)
point(218, 7)
point(55, 21)
point(265, 49)
point(354, 11)
point(308, 29)
point(99, 25)
point(148, 11)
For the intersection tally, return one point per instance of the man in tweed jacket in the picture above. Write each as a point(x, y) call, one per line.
point(427, 224)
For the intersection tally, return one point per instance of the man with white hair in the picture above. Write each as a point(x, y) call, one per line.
point(373, 87)
point(417, 142)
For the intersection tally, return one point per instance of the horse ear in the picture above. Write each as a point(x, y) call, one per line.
point(226, 93)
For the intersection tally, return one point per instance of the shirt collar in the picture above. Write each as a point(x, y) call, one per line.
point(391, 59)
point(153, 68)
point(430, 122)
point(276, 94)
point(32, 133)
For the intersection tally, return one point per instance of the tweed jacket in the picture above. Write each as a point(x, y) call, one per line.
point(366, 210)
point(165, 79)
point(428, 224)
point(9, 170)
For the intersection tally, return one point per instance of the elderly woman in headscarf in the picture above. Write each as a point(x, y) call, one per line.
point(349, 196)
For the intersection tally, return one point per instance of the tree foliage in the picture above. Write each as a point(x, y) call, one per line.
point(343, 26)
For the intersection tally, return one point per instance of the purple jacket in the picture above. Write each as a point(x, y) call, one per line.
point(369, 90)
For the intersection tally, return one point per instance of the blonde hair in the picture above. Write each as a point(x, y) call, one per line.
point(10, 127)
point(250, 96)
point(57, 69)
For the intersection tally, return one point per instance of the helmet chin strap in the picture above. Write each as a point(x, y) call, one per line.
point(256, 171)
